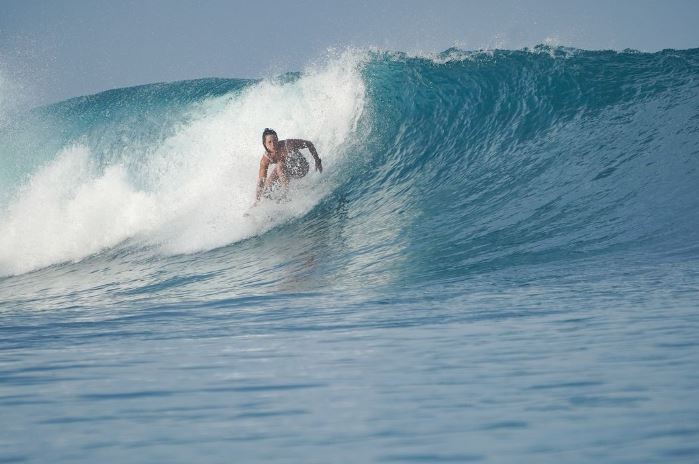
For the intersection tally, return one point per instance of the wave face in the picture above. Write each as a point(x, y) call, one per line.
point(436, 167)
point(527, 157)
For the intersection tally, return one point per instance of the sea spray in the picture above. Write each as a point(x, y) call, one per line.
point(186, 189)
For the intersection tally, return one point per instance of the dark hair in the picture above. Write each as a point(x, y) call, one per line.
point(267, 132)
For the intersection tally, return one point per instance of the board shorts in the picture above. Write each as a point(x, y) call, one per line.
point(296, 166)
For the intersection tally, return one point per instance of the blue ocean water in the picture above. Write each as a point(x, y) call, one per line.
point(500, 263)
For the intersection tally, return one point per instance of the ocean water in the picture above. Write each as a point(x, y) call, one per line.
point(500, 263)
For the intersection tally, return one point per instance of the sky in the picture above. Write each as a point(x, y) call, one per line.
point(53, 50)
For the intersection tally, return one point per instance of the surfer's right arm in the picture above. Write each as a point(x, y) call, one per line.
point(261, 178)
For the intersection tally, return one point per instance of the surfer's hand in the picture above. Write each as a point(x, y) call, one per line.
point(319, 165)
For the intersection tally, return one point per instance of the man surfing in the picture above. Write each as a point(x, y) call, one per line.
point(290, 164)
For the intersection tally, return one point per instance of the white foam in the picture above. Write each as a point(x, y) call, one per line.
point(66, 212)
point(195, 188)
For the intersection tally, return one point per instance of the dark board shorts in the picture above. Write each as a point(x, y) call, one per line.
point(296, 166)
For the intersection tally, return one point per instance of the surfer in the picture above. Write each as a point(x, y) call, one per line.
point(290, 164)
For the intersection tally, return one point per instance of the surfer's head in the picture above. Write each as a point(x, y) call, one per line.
point(269, 140)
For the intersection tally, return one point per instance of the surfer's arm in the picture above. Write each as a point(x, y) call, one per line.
point(298, 144)
point(261, 178)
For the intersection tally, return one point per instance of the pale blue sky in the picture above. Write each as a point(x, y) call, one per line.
point(55, 50)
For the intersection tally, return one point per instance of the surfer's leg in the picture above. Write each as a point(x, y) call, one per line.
point(272, 179)
point(276, 184)
point(281, 175)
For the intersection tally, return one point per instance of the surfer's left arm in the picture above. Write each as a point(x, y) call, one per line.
point(298, 144)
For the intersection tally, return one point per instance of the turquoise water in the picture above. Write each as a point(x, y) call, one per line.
point(500, 263)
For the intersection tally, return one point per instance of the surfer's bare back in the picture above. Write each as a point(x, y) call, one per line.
point(290, 164)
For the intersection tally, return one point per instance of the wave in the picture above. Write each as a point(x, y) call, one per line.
point(435, 166)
